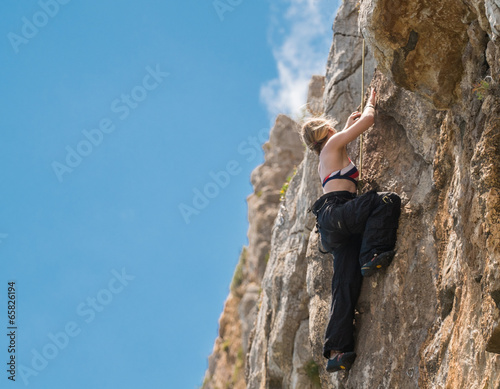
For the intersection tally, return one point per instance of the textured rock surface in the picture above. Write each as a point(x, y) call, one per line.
point(343, 69)
point(419, 42)
point(432, 319)
point(283, 151)
point(315, 95)
point(493, 13)
point(285, 300)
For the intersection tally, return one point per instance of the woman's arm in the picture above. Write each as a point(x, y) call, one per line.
point(365, 121)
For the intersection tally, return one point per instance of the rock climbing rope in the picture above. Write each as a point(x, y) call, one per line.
point(362, 108)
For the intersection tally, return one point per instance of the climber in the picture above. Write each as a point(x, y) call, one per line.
point(360, 231)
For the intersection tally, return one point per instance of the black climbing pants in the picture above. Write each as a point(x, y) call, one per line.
point(353, 229)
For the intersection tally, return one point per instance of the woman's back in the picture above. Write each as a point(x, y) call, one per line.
point(334, 162)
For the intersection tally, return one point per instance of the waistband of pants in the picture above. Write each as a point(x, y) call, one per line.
point(339, 193)
point(334, 197)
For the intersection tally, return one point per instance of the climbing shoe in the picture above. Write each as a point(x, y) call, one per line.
point(342, 361)
point(379, 261)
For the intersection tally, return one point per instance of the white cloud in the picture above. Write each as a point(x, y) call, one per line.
point(300, 39)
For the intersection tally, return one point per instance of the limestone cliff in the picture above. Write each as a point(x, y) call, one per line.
point(432, 319)
point(283, 152)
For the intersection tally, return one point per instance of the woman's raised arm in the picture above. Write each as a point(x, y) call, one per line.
point(365, 121)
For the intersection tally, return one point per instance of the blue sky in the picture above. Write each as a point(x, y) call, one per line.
point(128, 134)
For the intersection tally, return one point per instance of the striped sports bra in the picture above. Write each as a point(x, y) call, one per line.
point(350, 172)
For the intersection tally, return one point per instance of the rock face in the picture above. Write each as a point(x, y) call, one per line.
point(432, 319)
point(283, 151)
point(419, 43)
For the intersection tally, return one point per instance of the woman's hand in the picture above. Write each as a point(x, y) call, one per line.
point(373, 98)
point(355, 126)
point(352, 118)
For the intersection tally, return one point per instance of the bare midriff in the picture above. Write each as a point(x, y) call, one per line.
point(339, 185)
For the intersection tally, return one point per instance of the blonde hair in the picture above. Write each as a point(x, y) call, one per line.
point(314, 132)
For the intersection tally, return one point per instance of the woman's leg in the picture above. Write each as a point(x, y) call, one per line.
point(376, 217)
point(346, 286)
